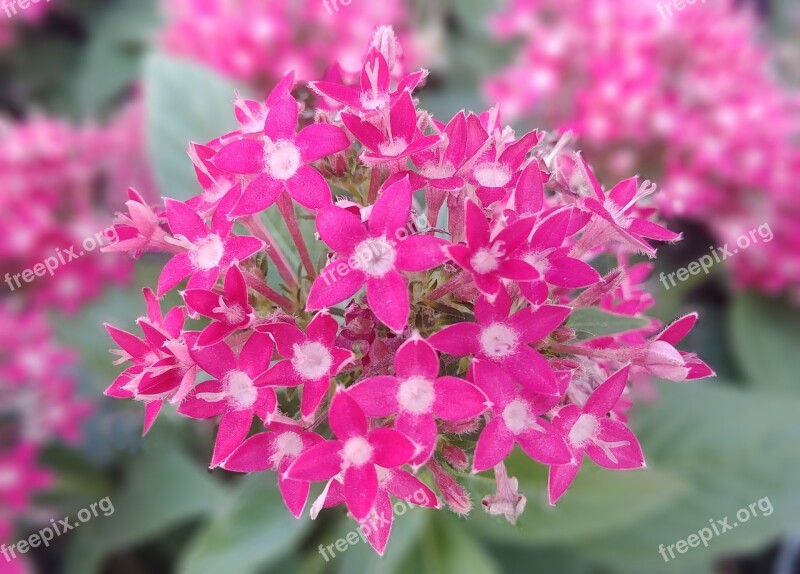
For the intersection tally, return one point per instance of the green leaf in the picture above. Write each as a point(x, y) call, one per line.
point(766, 336)
point(620, 498)
point(250, 532)
point(733, 449)
point(185, 102)
point(592, 322)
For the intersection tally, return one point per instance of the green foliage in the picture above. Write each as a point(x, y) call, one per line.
point(593, 322)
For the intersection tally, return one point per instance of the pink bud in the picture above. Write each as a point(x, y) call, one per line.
point(665, 361)
point(456, 457)
point(385, 41)
point(455, 496)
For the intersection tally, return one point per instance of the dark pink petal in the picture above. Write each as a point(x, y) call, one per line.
point(459, 340)
point(183, 220)
point(341, 359)
point(570, 273)
point(391, 447)
point(405, 486)
point(548, 447)
point(323, 328)
point(551, 232)
point(622, 193)
point(176, 270)
point(498, 385)
point(202, 301)
point(129, 343)
point(320, 462)
point(461, 254)
point(198, 408)
point(282, 374)
point(605, 397)
point(458, 400)
point(677, 331)
point(332, 287)
point(517, 270)
point(494, 445)
point(515, 235)
point(363, 131)
point(294, 494)
point(321, 140)
point(416, 357)
point(699, 370)
point(422, 430)
point(151, 410)
point(232, 431)
point(360, 489)
point(560, 479)
point(282, 119)
point(403, 117)
point(341, 230)
point(215, 333)
point(615, 447)
point(217, 360)
point(392, 210)
point(592, 179)
point(420, 253)
point(309, 188)
point(261, 194)
point(266, 405)
point(477, 227)
point(256, 355)
point(515, 154)
point(529, 195)
point(375, 67)
point(242, 247)
point(389, 299)
point(342, 94)
point(377, 396)
point(242, 156)
point(489, 285)
point(650, 230)
point(282, 89)
point(488, 312)
point(235, 286)
point(346, 418)
point(253, 455)
point(536, 292)
point(532, 371)
point(536, 325)
point(286, 336)
point(313, 393)
point(378, 525)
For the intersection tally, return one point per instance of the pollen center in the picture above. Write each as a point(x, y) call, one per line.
point(208, 252)
point(516, 416)
point(393, 147)
point(492, 175)
point(584, 430)
point(484, 261)
point(287, 445)
point(241, 391)
point(357, 452)
point(283, 160)
point(416, 395)
point(499, 341)
point(312, 360)
point(375, 256)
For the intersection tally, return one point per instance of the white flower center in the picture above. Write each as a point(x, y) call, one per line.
point(584, 430)
point(516, 416)
point(240, 390)
point(375, 256)
point(538, 261)
point(234, 314)
point(393, 147)
point(374, 101)
point(492, 175)
point(436, 171)
point(311, 360)
point(484, 261)
point(283, 160)
point(288, 445)
point(499, 341)
point(356, 452)
point(416, 395)
point(208, 252)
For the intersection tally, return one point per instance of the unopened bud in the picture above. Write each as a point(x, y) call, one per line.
point(665, 361)
point(455, 457)
point(385, 41)
point(455, 496)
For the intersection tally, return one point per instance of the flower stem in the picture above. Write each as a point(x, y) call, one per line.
point(286, 208)
point(449, 286)
point(258, 229)
point(258, 284)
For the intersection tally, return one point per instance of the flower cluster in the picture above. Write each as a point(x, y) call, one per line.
point(265, 38)
point(435, 334)
point(688, 100)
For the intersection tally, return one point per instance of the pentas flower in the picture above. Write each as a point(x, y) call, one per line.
point(277, 449)
point(310, 359)
point(357, 394)
point(608, 442)
point(374, 255)
point(505, 340)
point(233, 394)
point(418, 396)
point(20, 477)
point(204, 252)
point(357, 452)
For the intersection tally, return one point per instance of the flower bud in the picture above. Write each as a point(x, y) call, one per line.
point(665, 361)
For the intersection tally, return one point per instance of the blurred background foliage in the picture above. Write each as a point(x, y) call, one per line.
point(712, 447)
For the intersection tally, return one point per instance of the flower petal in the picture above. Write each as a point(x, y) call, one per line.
point(605, 397)
point(391, 447)
point(259, 195)
point(341, 230)
point(548, 447)
point(377, 396)
point(176, 270)
point(242, 156)
point(494, 444)
point(459, 340)
point(320, 462)
point(333, 286)
point(346, 418)
point(389, 299)
point(619, 448)
point(321, 140)
point(458, 400)
point(360, 489)
point(416, 357)
point(392, 210)
point(560, 478)
point(232, 431)
point(420, 253)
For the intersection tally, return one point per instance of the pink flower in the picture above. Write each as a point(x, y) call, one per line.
point(516, 420)
point(505, 340)
point(276, 449)
point(310, 359)
point(204, 253)
point(418, 396)
point(280, 160)
point(230, 311)
point(608, 442)
point(20, 478)
point(357, 452)
point(662, 359)
point(233, 393)
point(374, 255)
